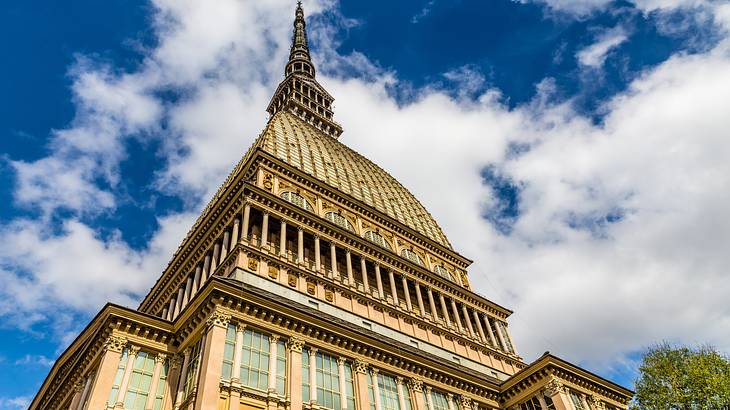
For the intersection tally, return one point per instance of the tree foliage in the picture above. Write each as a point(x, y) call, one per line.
point(683, 378)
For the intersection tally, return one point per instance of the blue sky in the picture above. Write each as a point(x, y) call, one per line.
point(586, 140)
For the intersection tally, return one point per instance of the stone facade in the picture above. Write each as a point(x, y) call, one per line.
point(324, 268)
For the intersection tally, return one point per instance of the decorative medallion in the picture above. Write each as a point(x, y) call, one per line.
point(253, 264)
point(269, 182)
point(292, 279)
point(311, 287)
point(273, 272)
point(329, 295)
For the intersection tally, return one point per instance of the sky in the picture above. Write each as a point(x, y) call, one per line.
point(576, 150)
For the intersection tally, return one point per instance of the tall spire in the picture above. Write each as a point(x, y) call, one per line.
point(300, 48)
point(300, 93)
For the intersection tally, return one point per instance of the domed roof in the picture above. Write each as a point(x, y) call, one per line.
point(301, 145)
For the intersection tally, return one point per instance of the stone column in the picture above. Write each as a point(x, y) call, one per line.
point(246, 219)
point(333, 260)
point(106, 372)
point(300, 245)
point(183, 377)
point(313, 375)
point(226, 245)
point(273, 347)
point(343, 385)
point(364, 273)
point(543, 403)
point(294, 345)
point(234, 233)
point(361, 385)
point(317, 256)
point(211, 360)
point(393, 289)
point(415, 386)
point(379, 281)
point(188, 289)
point(401, 395)
point(419, 299)
point(159, 362)
point(348, 261)
point(173, 377)
point(196, 280)
point(429, 399)
point(450, 400)
point(479, 326)
point(214, 260)
point(78, 389)
point(376, 388)
point(179, 301)
point(206, 269)
point(432, 305)
point(500, 337)
point(85, 392)
point(164, 313)
point(556, 391)
point(468, 321)
point(133, 350)
point(444, 310)
point(171, 309)
point(407, 293)
point(237, 353)
point(265, 231)
point(508, 338)
point(490, 333)
point(457, 319)
point(282, 239)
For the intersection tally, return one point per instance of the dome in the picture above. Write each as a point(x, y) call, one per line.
point(301, 145)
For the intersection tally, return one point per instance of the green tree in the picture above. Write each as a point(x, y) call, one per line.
point(683, 378)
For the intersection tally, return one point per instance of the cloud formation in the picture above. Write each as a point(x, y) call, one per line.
point(594, 55)
point(620, 229)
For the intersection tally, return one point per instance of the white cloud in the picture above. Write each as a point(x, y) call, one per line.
point(594, 55)
point(19, 402)
point(34, 360)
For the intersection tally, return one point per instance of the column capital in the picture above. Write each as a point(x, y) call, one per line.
point(427, 389)
point(374, 372)
point(398, 380)
point(450, 396)
point(176, 361)
point(377, 264)
point(316, 236)
point(240, 327)
point(361, 366)
point(265, 212)
point(554, 387)
point(313, 351)
point(596, 402)
point(295, 344)
point(218, 318)
point(79, 385)
point(133, 349)
point(115, 343)
point(348, 252)
point(274, 339)
point(341, 361)
point(415, 385)
point(466, 403)
point(160, 358)
point(300, 228)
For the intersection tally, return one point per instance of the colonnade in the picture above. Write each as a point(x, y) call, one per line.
point(356, 271)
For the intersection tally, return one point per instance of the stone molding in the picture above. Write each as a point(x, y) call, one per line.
point(554, 387)
point(361, 366)
point(115, 343)
point(295, 344)
point(415, 385)
point(218, 318)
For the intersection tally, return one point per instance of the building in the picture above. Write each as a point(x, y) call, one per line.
point(313, 280)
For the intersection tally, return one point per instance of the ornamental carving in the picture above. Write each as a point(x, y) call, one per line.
point(361, 366)
point(269, 182)
point(292, 280)
point(295, 344)
point(554, 387)
point(79, 385)
point(253, 264)
point(115, 343)
point(466, 403)
point(176, 361)
point(311, 288)
point(415, 385)
point(160, 358)
point(218, 318)
point(596, 403)
point(133, 350)
point(329, 295)
point(273, 272)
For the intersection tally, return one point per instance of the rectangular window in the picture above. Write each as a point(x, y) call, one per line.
point(140, 382)
point(192, 370)
point(349, 387)
point(254, 370)
point(281, 368)
point(328, 382)
point(228, 352)
point(440, 401)
point(371, 391)
point(577, 402)
point(161, 383)
point(118, 377)
point(388, 389)
point(532, 404)
point(305, 376)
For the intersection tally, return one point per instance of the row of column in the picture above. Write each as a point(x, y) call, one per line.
point(484, 328)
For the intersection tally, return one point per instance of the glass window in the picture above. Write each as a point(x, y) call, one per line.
point(192, 371)
point(254, 370)
point(412, 256)
point(118, 377)
point(349, 387)
point(443, 272)
point(140, 381)
point(281, 368)
point(297, 200)
point(371, 391)
point(532, 404)
point(577, 402)
point(328, 382)
point(228, 352)
point(440, 401)
point(340, 220)
point(388, 389)
point(305, 376)
point(505, 336)
point(377, 239)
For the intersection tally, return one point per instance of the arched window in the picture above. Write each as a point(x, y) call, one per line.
point(378, 239)
point(297, 200)
point(444, 272)
point(412, 256)
point(340, 220)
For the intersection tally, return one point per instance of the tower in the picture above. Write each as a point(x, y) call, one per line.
point(313, 279)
